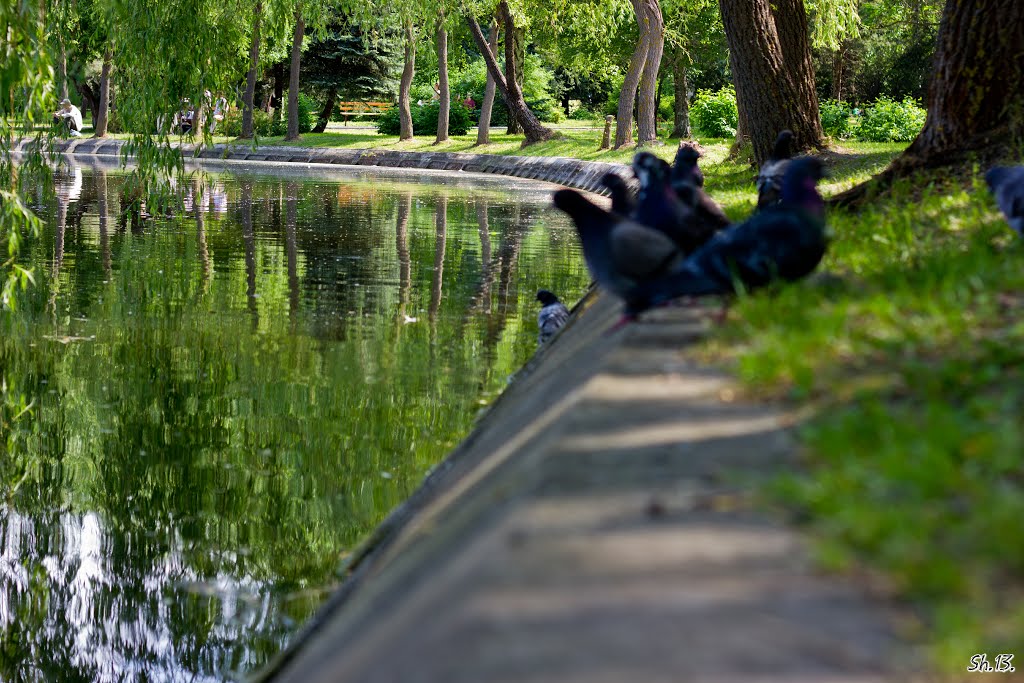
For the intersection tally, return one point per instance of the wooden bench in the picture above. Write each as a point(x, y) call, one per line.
point(363, 109)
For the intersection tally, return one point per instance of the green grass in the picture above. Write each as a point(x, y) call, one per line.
point(910, 360)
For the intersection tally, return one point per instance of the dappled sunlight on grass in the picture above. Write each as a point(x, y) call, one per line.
point(911, 353)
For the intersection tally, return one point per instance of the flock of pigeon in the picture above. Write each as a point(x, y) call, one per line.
point(672, 240)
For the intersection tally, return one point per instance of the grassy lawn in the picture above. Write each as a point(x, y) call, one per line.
point(910, 365)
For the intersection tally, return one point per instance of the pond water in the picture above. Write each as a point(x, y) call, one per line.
point(202, 414)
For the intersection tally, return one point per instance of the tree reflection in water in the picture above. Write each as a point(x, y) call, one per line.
point(207, 413)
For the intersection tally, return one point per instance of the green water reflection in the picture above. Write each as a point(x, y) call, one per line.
point(201, 414)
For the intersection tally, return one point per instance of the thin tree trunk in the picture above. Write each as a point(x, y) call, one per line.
point(483, 131)
point(293, 81)
point(291, 248)
point(510, 92)
point(402, 245)
point(627, 96)
point(62, 67)
point(511, 74)
point(249, 237)
point(681, 104)
point(647, 107)
point(405, 85)
point(328, 109)
point(249, 99)
point(437, 282)
point(444, 111)
point(100, 122)
point(774, 85)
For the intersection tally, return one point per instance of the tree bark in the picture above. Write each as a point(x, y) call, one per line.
point(326, 111)
point(405, 85)
point(512, 72)
point(975, 99)
point(62, 66)
point(630, 84)
point(647, 106)
point(769, 53)
point(681, 106)
point(293, 81)
point(249, 99)
point(510, 92)
point(483, 131)
point(103, 114)
point(445, 94)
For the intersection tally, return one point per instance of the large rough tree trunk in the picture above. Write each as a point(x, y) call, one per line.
point(405, 85)
point(534, 130)
point(445, 94)
point(681, 106)
point(483, 131)
point(627, 96)
point(769, 53)
point(513, 67)
point(647, 106)
point(248, 100)
point(326, 111)
point(293, 81)
point(975, 98)
point(102, 115)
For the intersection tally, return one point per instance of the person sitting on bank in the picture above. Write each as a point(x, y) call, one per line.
point(70, 116)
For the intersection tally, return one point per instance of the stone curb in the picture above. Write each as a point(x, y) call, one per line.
point(575, 173)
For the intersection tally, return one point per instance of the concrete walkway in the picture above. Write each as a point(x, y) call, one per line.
point(597, 526)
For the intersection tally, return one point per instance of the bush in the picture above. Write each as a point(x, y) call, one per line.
point(889, 121)
point(262, 124)
point(308, 112)
point(835, 119)
point(714, 114)
point(424, 119)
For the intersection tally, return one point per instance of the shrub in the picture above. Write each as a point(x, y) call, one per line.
point(424, 120)
point(308, 111)
point(835, 119)
point(889, 121)
point(714, 114)
point(262, 124)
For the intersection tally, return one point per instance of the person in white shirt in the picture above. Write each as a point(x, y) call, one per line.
point(70, 116)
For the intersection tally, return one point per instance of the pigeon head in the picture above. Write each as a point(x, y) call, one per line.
point(799, 185)
point(783, 148)
point(996, 177)
point(546, 298)
point(619, 191)
point(650, 169)
point(1007, 185)
point(685, 168)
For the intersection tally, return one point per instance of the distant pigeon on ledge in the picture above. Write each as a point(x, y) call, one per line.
point(552, 316)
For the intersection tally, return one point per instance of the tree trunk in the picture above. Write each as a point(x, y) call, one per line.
point(511, 63)
point(770, 58)
point(326, 111)
point(510, 92)
point(275, 100)
point(483, 131)
point(975, 99)
point(405, 85)
point(100, 121)
point(445, 93)
point(249, 99)
point(647, 107)
point(839, 71)
point(681, 106)
point(293, 82)
point(627, 96)
point(62, 67)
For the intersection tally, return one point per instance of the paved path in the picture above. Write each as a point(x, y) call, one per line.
point(597, 527)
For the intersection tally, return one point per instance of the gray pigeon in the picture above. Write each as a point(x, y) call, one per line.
point(553, 314)
point(1007, 184)
point(769, 178)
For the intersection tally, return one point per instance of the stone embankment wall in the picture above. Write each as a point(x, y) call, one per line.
point(582, 175)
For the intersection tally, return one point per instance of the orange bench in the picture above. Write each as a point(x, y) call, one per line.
point(363, 109)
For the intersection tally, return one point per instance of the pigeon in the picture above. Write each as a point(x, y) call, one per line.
point(769, 178)
point(1007, 184)
point(785, 241)
point(620, 253)
point(622, 197)
point(660, 206)
point(553, 314)
point(708, 215)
